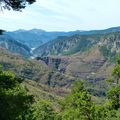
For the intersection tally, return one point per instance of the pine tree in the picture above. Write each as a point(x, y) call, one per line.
point(15, 104)
point(78, 105)
point(114, 92)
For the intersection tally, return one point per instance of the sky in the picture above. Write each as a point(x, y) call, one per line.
point(63, 15)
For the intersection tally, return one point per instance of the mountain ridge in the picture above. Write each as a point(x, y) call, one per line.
point(36, 37)
point(14, 46)
point(92, 60)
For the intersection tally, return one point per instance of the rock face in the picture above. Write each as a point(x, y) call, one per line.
point(109, 45)
point(66, 45)
point(58, 64)
point(62, 64)
point(92, 60)
point(51, 62)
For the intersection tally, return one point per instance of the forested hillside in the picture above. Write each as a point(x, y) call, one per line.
point(59, 60)
point(108, 44)
point(12, 45)
point(70, 78)
point(18, 103)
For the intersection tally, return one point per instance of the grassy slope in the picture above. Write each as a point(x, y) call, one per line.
point(44, 92)
point(84, 65)
point(33, 70)
point(38, 71)
point(90, 65)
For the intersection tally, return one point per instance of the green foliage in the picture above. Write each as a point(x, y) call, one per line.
point(110, 110)
point(43, 111)
point(107, 53)
point(15, 104)
point(78, 105)
point(116, 71)
point(114, 92)
point(80, 46)
point(113, 96)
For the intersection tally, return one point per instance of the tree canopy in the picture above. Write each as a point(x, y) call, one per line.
point(15, 4)
point(78, 105)
point(15, 103)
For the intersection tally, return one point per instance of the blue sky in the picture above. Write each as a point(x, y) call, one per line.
point(64, 15)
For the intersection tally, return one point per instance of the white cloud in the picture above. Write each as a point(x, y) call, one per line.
point(64, 15)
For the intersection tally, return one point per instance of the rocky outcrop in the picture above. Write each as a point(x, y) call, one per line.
point(55, 63)
point(66, 45)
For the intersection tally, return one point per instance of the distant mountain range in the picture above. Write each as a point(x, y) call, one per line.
point(37, 42)
point(109, 44)
point(60, 57)
point(37, 37)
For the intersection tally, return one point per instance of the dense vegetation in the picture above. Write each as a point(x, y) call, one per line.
point(17, 104)
point(107, 53)
point(45, 99)
point(67, 45)
point(14, 102)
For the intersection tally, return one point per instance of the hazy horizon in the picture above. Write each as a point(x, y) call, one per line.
point(58, 30)
point(63, 15)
